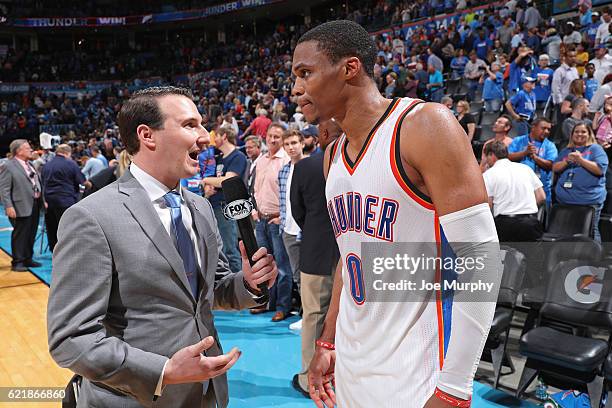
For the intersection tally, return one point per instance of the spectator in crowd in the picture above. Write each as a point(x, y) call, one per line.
point(482, 44)
point(411, 85)
point(252, 147)
point(602, 123)
point(61, 181)
point(22, 198)
point(311, 135)
point(590, 30)
point(458, 64)
point(552, 45)
point(109, 175)
point(318, 249)
point(231, 162)
point(466, 119)
point(259, 126)
point(582, 167)
point(91, 166)
point(563, 77)
point(423, 79)
point(391, 79)
point(505, 32)
point(435, 84)
point(501, 128)
point(514, 196)
point(474, 70)
point(602, 62)
point(580, 110)
point(433, 59)
point(448, 102)
point(582, 58)
point(532, 18)
point(543, 75)
point(573, 36)
point(585, 13)
point(293, 143)
point(591, 84)
point(536, 151)
point(95, 153)
point(522, 106)
point(493, 91)
point(577, 90)
point(267, 220)
point(602, 31)
point(519, 68)
point(597, 101)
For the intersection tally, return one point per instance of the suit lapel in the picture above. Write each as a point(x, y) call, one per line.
point(141, 208)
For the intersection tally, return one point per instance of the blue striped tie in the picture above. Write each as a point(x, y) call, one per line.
point(184, 245)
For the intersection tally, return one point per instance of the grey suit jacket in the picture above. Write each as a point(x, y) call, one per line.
point(16, 189)
point(120, 303)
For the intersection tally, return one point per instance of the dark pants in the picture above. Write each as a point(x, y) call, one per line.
point(24, 235)
point(521, 228)
point(52, 219)
point(268, 236)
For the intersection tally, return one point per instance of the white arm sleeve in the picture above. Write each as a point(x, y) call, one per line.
point(475, 229)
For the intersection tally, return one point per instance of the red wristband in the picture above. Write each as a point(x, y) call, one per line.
point(454, 401)
point(325, 344)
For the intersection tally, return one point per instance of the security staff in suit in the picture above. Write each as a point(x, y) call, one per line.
point(139, 267)
point(21, 192)
point(318, 249)
point(61, 179)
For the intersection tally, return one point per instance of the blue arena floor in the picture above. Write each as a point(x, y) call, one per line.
point(271, 352)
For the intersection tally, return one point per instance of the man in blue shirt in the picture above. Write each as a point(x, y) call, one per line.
point(543, 75)
point(522, 106)
point(537, 152)
point(482, 45)
point(435, 84)
point(589, 80)
point(230, 162)
point(61, 180)
point(522, 65)
point(493, 91)
point(591, 29)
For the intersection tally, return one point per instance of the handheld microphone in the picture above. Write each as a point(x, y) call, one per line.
point(238, 207)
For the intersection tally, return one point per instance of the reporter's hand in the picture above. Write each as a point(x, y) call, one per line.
point(263, 270)
point(10, 212)
point(188, 365)
point(321, 381)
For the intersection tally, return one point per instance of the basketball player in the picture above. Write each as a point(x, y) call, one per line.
point(411, 163)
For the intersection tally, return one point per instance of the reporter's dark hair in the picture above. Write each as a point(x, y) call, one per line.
point(344, 38)
point(498, 149)
point(143, 109)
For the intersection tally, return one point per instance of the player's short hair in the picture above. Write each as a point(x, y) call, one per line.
point(498, 149)
point(142, 109)
point(344, 38)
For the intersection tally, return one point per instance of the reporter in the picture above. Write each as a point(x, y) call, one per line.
point(135, 319)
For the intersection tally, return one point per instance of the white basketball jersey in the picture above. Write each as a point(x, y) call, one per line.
point(389, 354)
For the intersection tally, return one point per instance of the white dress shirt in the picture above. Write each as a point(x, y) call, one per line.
point(512, 187)
point(156, 191)
point(291, 227)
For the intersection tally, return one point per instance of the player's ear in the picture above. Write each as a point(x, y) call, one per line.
point(352, 66)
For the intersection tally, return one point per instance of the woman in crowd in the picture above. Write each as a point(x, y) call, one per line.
point(576, 90)
point(581, 169)
point(458, 64)
point(466, 119)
